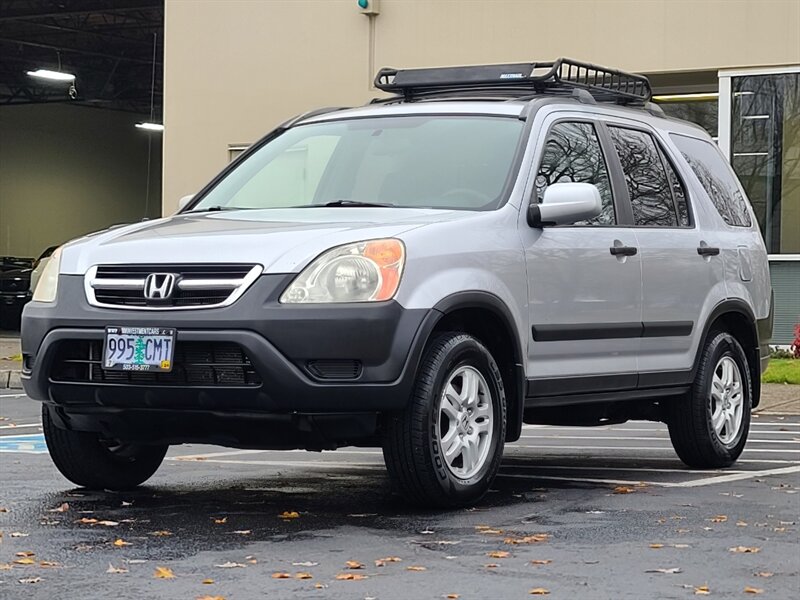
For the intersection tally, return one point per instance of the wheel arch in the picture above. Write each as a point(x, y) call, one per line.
point(489, 319)
point(738, 319)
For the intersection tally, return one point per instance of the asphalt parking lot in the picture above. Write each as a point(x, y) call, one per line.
point(593, 513)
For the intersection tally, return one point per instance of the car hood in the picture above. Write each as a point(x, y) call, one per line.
point(281, 240)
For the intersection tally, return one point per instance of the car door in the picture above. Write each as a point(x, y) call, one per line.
point(681, 263)
point(584, 280)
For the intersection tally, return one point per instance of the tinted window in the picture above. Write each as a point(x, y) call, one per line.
point(572, 154)
point(716, 178)
point(649, 188)
point(678, 193)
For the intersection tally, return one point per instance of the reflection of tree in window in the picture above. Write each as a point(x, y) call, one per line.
point(678, 193)
point(572, 154)
point(648, 186)
point(716, 178)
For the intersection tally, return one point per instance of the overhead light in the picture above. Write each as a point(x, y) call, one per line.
point(150, 126)
point(686, 97)
point(52, 75)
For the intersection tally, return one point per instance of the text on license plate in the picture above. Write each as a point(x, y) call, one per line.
point(138, 348)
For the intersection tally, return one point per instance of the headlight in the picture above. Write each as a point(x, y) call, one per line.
point(48, 281)
point(361, 272)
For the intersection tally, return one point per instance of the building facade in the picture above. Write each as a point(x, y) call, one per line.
point(236, 68)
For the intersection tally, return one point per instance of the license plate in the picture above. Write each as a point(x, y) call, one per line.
point(138, 349)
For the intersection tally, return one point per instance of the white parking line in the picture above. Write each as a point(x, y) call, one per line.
point(737, 477)
point(641, 448)
point(20, 426)
point(638, 439)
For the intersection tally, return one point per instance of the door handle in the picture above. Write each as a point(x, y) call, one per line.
point(707, 251)
point(623, 250)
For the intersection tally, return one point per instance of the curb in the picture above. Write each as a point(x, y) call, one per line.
point(10, 380)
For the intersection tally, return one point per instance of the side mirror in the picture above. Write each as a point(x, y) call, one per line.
point(184, 201)
point(565, 204)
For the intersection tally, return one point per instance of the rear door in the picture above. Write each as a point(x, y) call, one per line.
point(584, 280)
point(682, 269)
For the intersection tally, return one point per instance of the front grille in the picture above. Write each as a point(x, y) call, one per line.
point(335, 369)
point(194, 364)
point(196, 286)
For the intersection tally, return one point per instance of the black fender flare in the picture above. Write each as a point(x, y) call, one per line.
point(493, 303)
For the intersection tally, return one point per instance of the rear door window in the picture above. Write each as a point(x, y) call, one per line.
point(649, 186)
point(717, 179)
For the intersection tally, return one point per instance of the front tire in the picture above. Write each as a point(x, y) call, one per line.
point(88, 461)
point(445, 448)
point(709, 426)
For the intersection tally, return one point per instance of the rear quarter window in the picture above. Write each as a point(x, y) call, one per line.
point(717, 179)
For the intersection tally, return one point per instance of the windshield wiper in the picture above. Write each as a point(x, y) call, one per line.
point(352, 203)
point(216, 208)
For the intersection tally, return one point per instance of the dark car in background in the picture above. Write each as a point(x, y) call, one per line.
point(15, 286)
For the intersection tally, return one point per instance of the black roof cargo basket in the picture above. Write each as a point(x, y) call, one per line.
point(517, 80)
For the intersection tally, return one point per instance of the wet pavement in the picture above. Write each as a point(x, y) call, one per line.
point(592, 513)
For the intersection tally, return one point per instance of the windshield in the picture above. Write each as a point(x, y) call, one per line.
point(453, 162)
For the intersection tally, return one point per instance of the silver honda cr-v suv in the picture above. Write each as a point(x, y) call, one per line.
point(488, 246)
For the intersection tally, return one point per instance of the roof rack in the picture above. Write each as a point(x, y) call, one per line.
point(516, 80)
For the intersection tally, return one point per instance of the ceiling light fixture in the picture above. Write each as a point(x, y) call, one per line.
point(52, 75)
point(697, 97)
point(150, 126)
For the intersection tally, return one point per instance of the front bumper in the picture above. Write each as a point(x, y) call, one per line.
point(280, 340)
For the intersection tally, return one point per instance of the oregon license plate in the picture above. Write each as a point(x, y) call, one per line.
point(138, 349)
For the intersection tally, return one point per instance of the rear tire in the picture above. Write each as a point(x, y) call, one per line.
point(90, 462)
point(445, 448)
point(709, 425)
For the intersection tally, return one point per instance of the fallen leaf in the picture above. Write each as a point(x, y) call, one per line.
point(25, 553)
point(350, 577)
point(119, 543)
point(18, 534)
point(163, 573)
point(719, 519)
point(306, 563)
point(416, 568)
point(161, 533)
point(207, 581)
point(48, 564)
point(112, 569)
point(231, 565)
point(108, 523)
point(60, 509)
point(741, 524)
point(622, 489)
point(289, 514)
point(87, 521)
point(498, 554)
point(744, 549)
point(6, 566)
point(354, 564)
point(210, 598)
point(764, 574)
point(491, 565)
point(320, 586)
point(528, 539)
point(656, 546)
point(126, 503)
point(670, 571)
point(221, 521)
point(389, 559)
point(24, 561)
point(453, 596)
point(30, 580)
point(752, 590)
point(541, 561)
point(303, 576)
point(540, 591)
point(488, 531)
point(281, 575)
point(681, 546)
point(702, 591)
point(3, 509)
